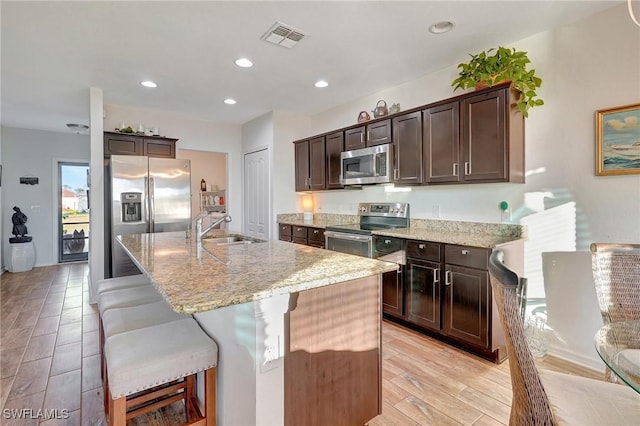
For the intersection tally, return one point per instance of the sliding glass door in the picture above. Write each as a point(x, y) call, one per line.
point(73, 212)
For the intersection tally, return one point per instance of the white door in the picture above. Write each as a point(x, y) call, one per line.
point(256, 194)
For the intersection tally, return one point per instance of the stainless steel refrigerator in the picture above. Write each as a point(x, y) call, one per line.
point(143, 194)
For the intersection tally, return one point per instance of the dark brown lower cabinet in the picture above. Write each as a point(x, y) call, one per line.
point(466, 305)
point(284, 232)
point(315, 237)
point(392, 293)
point(422, 296)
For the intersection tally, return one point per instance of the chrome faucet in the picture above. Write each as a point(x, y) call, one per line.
point(202, 232)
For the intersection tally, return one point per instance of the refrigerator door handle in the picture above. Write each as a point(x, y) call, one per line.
point(151, 205)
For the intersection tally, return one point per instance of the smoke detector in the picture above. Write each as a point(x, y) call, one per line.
point(78, 128)
point(283, 35)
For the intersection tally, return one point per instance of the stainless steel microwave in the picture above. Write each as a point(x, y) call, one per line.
point(367, 165)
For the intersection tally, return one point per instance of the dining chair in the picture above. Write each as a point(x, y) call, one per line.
point(547, 397)
point(616, 274)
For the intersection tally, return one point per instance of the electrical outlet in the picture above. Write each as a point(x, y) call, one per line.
point(35, 209)
point(436, 211)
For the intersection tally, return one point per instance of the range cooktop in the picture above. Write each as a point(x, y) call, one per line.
point(376, 216)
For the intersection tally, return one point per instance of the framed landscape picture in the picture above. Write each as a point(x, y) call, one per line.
point(618, 140)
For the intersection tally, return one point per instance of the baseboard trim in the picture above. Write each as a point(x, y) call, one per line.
point(582, 360)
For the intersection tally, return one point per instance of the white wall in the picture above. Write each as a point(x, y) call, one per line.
point(34, 153)
point(195, 135)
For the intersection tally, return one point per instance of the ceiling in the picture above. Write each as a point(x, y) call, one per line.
point(53, 51)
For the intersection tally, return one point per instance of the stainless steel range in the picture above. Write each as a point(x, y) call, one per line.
point(357, 238)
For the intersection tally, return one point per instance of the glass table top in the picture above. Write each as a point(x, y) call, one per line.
point(618, 344)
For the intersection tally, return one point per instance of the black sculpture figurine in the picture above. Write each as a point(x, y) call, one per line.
point(19, 228)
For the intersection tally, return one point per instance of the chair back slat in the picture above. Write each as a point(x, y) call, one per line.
point(616, 274)
point(530, 405)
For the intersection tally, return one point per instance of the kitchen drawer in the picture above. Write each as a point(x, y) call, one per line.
point(471, 257)
point(284, 232)
point(386, 245)
point(315, 235)
point(424, 250)
point(299, 232)
point(302, 241)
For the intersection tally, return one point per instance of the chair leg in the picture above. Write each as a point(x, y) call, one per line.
point(210, 396)
point(105, 388)
point(189, 396)
point(117, 411)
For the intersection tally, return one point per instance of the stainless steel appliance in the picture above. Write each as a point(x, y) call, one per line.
point(357, 238)
point(367, 165)
point(143, 194)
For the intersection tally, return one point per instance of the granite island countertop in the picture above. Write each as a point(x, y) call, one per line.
point(196, 278)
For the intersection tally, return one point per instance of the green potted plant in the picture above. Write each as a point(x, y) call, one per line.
point(499, 65)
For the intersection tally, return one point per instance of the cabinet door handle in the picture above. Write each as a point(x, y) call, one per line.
point(436, 275)
point(421, 246)
point(465, 252)
point(361, 137)
point(467, 168)
point(298, 229)
point(368, 135)
point(315, 231)
point(387, 241)
point(455, 169)
point(447, 278)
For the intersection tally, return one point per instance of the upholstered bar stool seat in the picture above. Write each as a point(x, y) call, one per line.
point(149, 357)
point(121, 320)
point(119, 283)
point(127, 297)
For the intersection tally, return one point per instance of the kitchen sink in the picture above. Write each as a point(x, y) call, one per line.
point(233, 240)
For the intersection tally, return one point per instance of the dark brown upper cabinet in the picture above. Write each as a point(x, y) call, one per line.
point(484, 135)
point(379, 133)
point(407, 146)
point(310, 164)
point(441, 138)
point(151, 146)
point(355, 138)
point(472, 138)
point(334, 147)
point(479, 138)
point(376, 133)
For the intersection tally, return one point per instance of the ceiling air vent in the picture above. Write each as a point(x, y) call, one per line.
point(283, 35)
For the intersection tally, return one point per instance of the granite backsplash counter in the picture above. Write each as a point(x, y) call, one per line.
point(196, 277)
point(474, 234)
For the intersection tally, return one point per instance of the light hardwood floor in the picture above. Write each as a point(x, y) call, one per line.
point(49, 361)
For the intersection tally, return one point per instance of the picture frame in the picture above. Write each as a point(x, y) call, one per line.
point(618, 140)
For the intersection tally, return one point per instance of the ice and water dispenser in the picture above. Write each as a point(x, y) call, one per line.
point(131, 206)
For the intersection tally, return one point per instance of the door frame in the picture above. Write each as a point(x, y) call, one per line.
point(56, 199)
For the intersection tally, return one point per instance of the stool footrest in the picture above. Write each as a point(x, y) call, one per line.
point(154, 406)
point(166, 389)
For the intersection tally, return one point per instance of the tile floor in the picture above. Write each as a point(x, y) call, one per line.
point(49, 352)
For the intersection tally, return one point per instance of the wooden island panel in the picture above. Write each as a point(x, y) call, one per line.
point(332, 362)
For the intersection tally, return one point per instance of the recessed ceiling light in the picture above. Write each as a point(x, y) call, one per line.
point(148, 83)
point(244, 63)
point(230, 101)
point(441, 27)
point(321, 83)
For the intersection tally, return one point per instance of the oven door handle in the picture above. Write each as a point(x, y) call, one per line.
point(345, 236)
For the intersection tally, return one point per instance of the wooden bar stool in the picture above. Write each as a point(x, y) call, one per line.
point(163, 361)
point(121, 320)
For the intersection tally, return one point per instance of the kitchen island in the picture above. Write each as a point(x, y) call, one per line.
point(298, 328)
